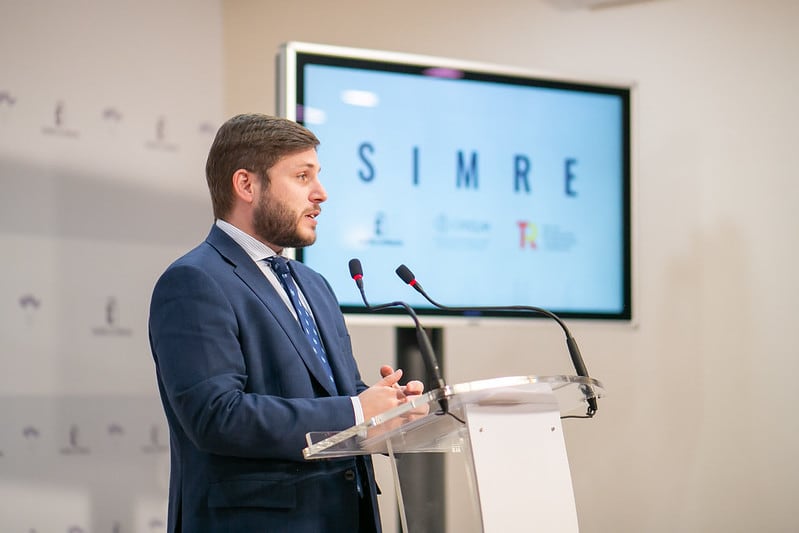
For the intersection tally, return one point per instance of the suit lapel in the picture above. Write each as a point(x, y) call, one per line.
point(249, 273)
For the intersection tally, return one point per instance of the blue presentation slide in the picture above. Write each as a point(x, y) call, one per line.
point(492, 193)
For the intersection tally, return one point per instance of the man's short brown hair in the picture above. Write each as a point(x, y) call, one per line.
point(252, 142)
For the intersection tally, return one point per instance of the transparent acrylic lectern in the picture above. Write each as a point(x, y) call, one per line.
point(509, 433)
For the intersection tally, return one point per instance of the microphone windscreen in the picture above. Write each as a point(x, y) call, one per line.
point(405, 274)
point(355, 268)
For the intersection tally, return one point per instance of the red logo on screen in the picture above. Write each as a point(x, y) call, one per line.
point(528, 233)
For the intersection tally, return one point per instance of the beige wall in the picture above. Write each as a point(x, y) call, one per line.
point(107, 110)
point(698, 432)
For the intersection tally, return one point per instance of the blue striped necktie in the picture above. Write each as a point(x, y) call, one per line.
point(280, 265)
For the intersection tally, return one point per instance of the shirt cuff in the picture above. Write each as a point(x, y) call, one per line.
point(357, 409)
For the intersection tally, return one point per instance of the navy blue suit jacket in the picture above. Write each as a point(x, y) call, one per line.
point(241, 387)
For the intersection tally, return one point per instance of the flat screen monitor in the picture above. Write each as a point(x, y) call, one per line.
point(494, 185)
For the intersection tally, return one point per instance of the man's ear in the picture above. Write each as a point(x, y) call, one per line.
point(244, 185)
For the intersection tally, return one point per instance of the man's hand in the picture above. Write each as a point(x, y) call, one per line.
point(410, 391)
point(387, 393)
point(383, 395)
point(412, 388)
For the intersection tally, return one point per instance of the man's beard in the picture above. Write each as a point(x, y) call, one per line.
point(275, 223)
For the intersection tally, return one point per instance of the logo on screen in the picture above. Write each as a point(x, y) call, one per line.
point(382, 233)
point(379, 220)
point(528, 234)
point(461, 233)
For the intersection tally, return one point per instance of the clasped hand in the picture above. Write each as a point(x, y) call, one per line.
point(388, 393)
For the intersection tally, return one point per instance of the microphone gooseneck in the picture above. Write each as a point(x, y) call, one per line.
point(426, 349)
point(408, 277)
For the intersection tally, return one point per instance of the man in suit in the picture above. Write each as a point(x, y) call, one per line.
point(251, 353)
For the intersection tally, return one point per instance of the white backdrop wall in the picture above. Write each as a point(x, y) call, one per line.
point(698, 432)
point(107, 110)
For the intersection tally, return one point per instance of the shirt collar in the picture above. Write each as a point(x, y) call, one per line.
point(255, 249)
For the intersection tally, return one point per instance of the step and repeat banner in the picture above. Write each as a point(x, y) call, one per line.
point(107, 111)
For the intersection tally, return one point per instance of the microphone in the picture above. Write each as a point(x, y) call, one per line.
point(356, 271)
point(407, 276)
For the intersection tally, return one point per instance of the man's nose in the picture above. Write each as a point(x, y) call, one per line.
point(318, 194)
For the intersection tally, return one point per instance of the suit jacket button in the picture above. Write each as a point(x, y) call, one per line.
point(349, 475)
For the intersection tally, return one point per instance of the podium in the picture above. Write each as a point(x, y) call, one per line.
point(508, 433)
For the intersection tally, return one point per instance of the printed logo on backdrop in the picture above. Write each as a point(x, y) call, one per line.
point(464, 233)
point(7, 101)
point(155, 445)
point(112, 118)
point(207, 128)
point(112, 115)
point(30, 305)
point(547, 237)
point(74, 447)
point(31, 433)
point(116, 433)
point(61, 124)
point(160, 141)
point(383, 233)
point(111, 328)
point(31, 436)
